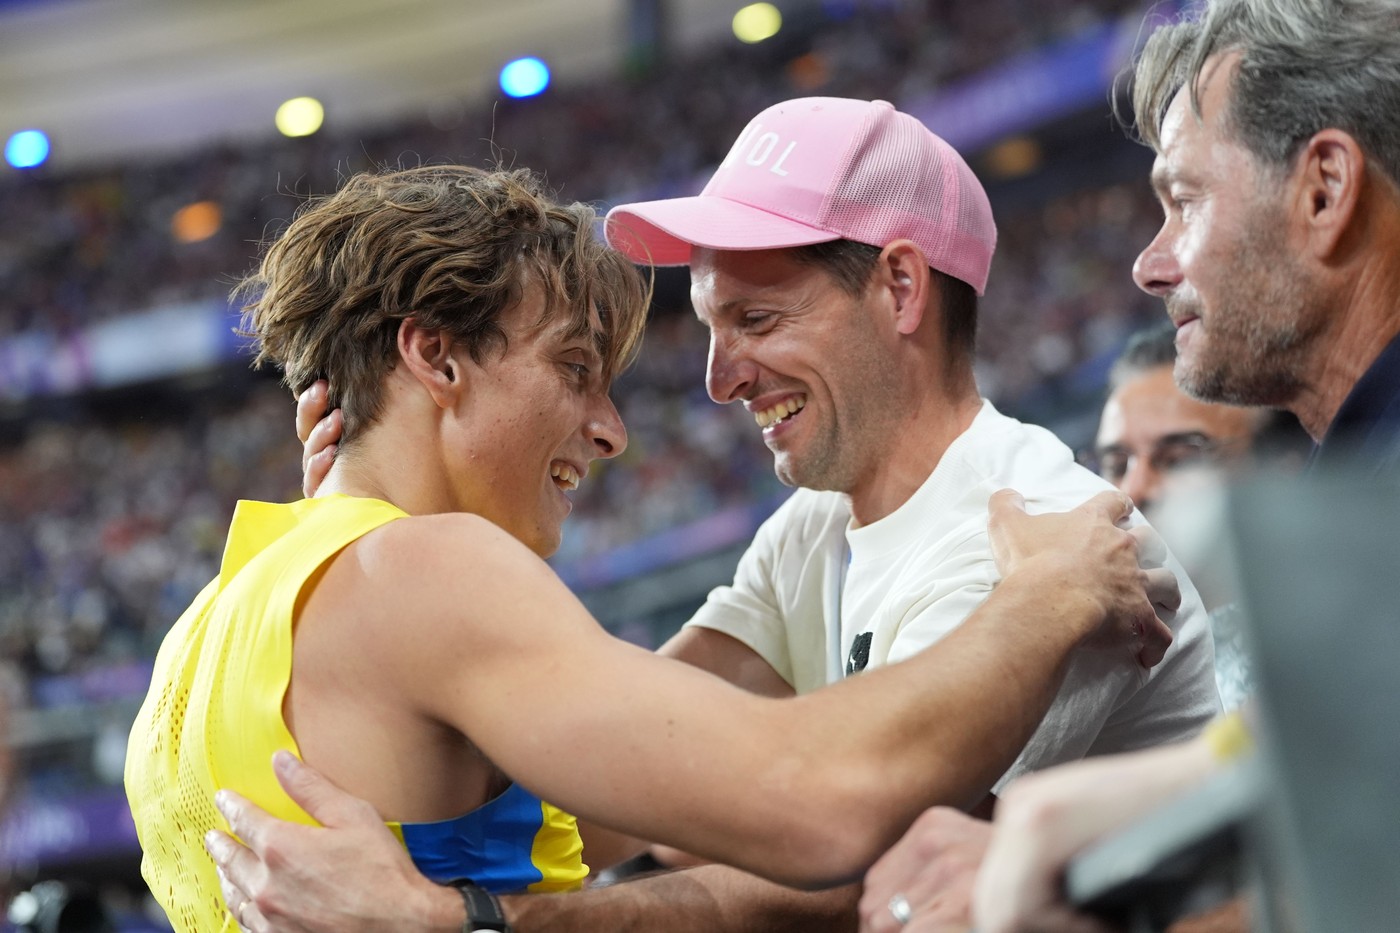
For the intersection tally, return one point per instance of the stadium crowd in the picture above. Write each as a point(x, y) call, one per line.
point(108, 527)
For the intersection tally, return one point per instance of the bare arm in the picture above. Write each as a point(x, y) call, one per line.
point(1015, 867)
point(294, 872)
point(728, 658)
point(714, 770)
point(708, 899)
point(352, 877)
point(1047, 818)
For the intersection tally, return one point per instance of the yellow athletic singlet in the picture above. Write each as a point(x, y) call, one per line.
point(213, 718)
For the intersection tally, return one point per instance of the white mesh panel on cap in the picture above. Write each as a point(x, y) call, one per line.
point(899, 181)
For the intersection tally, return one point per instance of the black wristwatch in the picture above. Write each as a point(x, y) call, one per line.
point(484, 914)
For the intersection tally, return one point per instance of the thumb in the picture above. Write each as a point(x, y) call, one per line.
point(314, 793)
point(1113, 505)
point(1006, 501)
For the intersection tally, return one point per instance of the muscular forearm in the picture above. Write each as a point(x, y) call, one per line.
point(708, 899)
point(996, 675)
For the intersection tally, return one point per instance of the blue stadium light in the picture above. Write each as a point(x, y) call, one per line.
point(525, 77)
point(27, 149)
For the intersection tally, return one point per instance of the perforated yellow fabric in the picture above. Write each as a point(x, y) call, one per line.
point(213, 715)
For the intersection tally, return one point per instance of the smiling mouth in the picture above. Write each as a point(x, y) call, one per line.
point(781, 411)
point(564, 475)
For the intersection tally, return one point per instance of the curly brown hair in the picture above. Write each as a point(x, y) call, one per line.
point(450, 246)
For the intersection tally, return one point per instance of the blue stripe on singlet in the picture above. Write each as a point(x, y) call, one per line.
point(490, 845)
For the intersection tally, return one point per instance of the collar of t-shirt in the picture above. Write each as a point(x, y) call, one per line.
point(909, 522)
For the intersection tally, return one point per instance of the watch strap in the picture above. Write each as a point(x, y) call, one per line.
point(484, 914)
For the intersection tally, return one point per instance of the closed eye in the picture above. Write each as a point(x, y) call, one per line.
point(759, 320)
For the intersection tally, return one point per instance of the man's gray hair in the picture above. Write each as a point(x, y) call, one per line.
point(1305, 66)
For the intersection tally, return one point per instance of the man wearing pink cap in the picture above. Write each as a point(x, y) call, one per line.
point(836, 256)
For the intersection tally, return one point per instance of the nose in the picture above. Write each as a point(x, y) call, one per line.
point(1142, 482)
point(728, 375)
point(1156, 270)
point(605, 428)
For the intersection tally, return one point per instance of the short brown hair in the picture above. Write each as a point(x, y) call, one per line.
point(452, 247)
point(850, 265)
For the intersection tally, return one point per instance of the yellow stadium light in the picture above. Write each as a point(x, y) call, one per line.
point(300, 116)
point(756, 22)
point(197, 221)
point(1014, 157)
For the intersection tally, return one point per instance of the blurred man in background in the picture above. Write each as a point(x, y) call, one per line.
point(1165, 448)
point(1152, 434)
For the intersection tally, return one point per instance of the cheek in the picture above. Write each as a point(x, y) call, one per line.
point(1191, 243)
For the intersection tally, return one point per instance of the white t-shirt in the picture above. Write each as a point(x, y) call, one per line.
point(810, 587)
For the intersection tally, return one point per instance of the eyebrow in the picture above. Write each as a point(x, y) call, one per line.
point(1161, 179)
point(1165, 440)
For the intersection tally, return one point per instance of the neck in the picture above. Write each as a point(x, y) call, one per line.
point(915, 447)
point(385, 463)
point(1367, 318)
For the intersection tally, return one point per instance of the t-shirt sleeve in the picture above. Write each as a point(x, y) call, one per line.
point(748, 609)
point(952, 587)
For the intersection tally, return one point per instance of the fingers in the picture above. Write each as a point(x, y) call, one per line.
point(1113, 505)
point(1007, 501)
point(311, 408)
point(1156, 638)
point(234, 861)
point(932, 869)
point(1152, 550)
point(316, 467)
point(1163, 590)
point(235, 865)
point(1003, 508)
point(248, 821)
point(319, 449)
point(327, 804)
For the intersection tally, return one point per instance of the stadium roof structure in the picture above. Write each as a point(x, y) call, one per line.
point(113, 79)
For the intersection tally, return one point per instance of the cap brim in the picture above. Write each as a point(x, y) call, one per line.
point(662, 233)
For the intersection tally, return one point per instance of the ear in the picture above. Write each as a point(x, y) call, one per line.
point(1332, 171)
point(426, 354)
point(903, 273)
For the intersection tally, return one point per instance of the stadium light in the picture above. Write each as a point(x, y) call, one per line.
point(756, 22)
point(27, 149)
point(300, 116)
point(524, 77)
point(195, 222)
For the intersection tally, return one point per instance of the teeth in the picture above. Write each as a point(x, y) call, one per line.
point(564, 474)
point(778, 412)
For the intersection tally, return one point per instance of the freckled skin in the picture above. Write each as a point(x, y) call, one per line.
point(528, 407)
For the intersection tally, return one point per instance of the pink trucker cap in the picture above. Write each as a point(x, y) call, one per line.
point(819, 169)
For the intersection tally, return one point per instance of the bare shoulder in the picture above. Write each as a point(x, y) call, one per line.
point(448, 549)
point(415, 581)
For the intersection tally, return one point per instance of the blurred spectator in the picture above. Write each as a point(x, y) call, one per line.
point(1161, 446)
point(109, 524)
